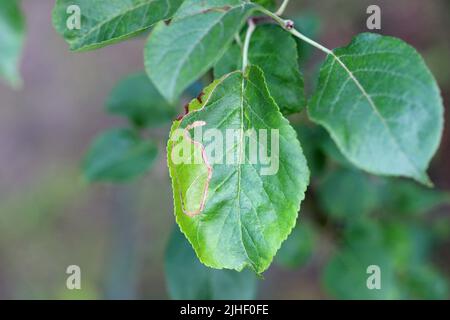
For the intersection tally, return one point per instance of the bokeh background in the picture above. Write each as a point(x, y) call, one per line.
point(50, 218)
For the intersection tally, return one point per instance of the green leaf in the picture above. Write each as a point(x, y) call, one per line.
point(179, 53)
point(269, 4)
point(192, 7)
point(188, 279)
point(12, 36)
point(275, 52)
point(383, 109)
point(298, 248)
point(348, 194)
point(328, 146)
point(231, 60)
point(137, 98)
point(107, 22)
point(118, 155)
point(236, 215)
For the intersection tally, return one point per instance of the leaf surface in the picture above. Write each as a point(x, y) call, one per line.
point(269, 4)
point(236, 215)
point(107, 22)
point(381, 105)
point(179, 53)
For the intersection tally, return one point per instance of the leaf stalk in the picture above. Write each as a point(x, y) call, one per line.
point(282, 8)
point(289, 27)
point(248, 36)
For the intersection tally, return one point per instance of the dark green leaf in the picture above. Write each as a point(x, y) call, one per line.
point(106, 22)
point(188, 279)
point(269, 4)
point(275, 52)
point(192, 7)
point(179, 53)
point(137, 98)
point(118, 155)
point(230, 61)
point(239, 216)
point(404, 197)
point(383, 108)
point(12, 35)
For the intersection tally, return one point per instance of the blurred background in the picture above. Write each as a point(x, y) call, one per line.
point(50, 218)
